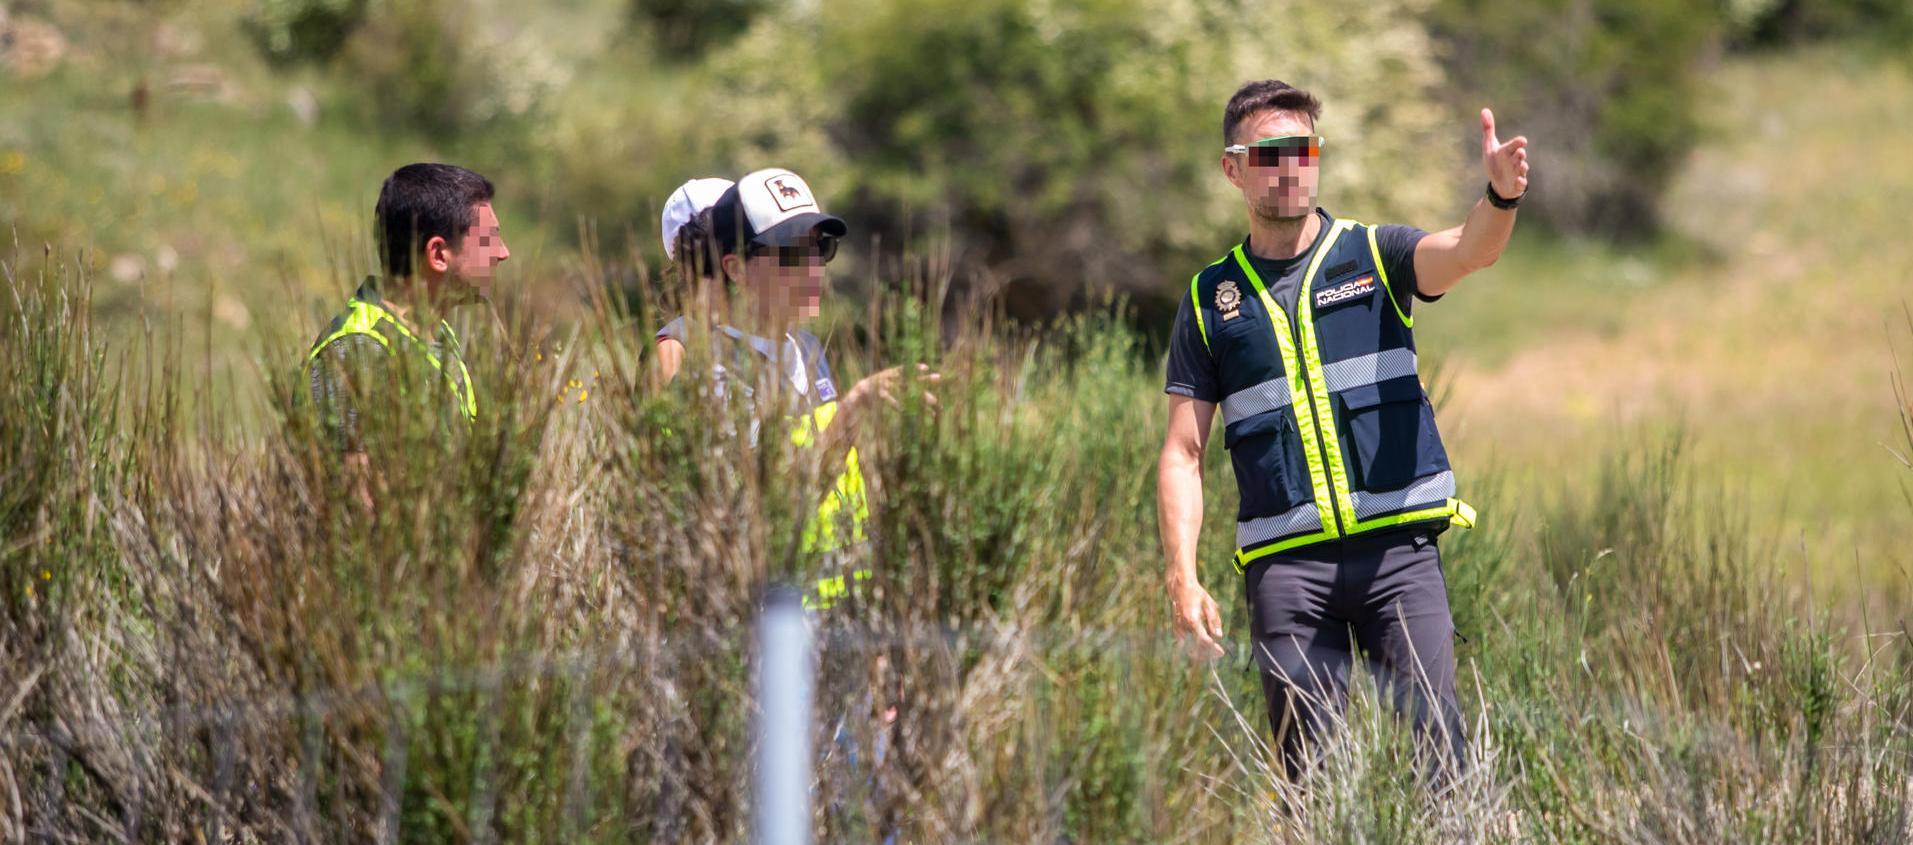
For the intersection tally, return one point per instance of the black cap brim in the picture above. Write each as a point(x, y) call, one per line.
point(800, 229)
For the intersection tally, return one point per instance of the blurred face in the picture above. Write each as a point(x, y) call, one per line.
point(470, 261)
point(1278, 183)
point(786, 282)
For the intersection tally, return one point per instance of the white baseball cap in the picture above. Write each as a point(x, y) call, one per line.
point(690, 199)
point(772, 207)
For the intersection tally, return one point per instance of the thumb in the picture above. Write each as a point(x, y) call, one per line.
point(1488, 141)
point(1213, 616)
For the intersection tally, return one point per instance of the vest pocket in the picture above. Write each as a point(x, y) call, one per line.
point(1390, 429)
point(1266, 450)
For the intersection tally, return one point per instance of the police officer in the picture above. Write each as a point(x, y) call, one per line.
point(1302, 334)
point(439, 241)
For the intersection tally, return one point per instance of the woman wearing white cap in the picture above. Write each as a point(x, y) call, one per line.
point(687, 229)
point(768, 239)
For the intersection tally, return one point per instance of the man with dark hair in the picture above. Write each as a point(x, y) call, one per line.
point(438, 241)
point(1302, 335)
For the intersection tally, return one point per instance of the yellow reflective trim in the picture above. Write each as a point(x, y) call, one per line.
point(1305, 424)
point(465, 376)
point(359, 319)
point(471, 393)
point(1464, 514)
point(1446, 511)
point(1459, 514)
point(1318, 381)
point(804, 433)
point(1195, 306)
point(825, 593)
point(363, 318)
point(1381, 270)
point(1195, 301)
point(1243, 559)
point(824, 532)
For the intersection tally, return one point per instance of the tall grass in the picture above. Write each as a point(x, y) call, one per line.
point(539, 633)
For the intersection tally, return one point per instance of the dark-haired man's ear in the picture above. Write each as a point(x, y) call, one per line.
point(438, 254)
point(1232, 169)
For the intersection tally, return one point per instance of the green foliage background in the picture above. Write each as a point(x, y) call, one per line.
point(1678, 638)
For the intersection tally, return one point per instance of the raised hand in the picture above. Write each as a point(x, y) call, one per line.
point(883, 385)
point(1507, 164)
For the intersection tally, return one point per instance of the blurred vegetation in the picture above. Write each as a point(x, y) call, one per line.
point(1608, 89)
point(1038, 142)
point(541, 636)
point(682, 30)
point(541, 633)
point(232, 196)
point(430, 66)
point(1777, 23)
point(289, 31)
point(1035, 145)
point(1613, 90)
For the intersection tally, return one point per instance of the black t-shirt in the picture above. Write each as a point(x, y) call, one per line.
point(1192, 370)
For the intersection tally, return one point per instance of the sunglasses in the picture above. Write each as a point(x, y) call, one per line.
point(1269, 152)
point(800, 254)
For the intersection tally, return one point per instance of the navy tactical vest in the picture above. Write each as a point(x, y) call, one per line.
point(1324, 416)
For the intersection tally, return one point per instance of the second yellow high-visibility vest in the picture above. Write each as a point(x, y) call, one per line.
point(365, 315)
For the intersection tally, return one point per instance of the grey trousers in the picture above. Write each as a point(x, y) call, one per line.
point(1381, 599)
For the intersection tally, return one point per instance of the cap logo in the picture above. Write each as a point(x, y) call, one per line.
point(787, 195)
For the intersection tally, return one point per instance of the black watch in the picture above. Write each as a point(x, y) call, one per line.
point(1499, 201)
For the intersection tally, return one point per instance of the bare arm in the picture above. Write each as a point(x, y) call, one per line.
point(1443, 258)
point(670, 357)
point(883, 386)
point(358, 465)
point(1179, 516)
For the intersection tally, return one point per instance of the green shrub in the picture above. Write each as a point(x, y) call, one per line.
point(1072, 148)
point(540, 633)
point(288, 31)
point(682, 30)
point(1779, 23)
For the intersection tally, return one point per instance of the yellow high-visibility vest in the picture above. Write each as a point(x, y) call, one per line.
point(364, 315)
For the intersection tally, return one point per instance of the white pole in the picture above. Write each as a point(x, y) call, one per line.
point(782, 808)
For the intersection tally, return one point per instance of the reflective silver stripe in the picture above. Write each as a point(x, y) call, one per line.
point(1249, 401)
point(1260, 530)
point(1369, 369)
point(1439, 487)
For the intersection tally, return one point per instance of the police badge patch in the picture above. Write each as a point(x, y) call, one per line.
point(1229, 300)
